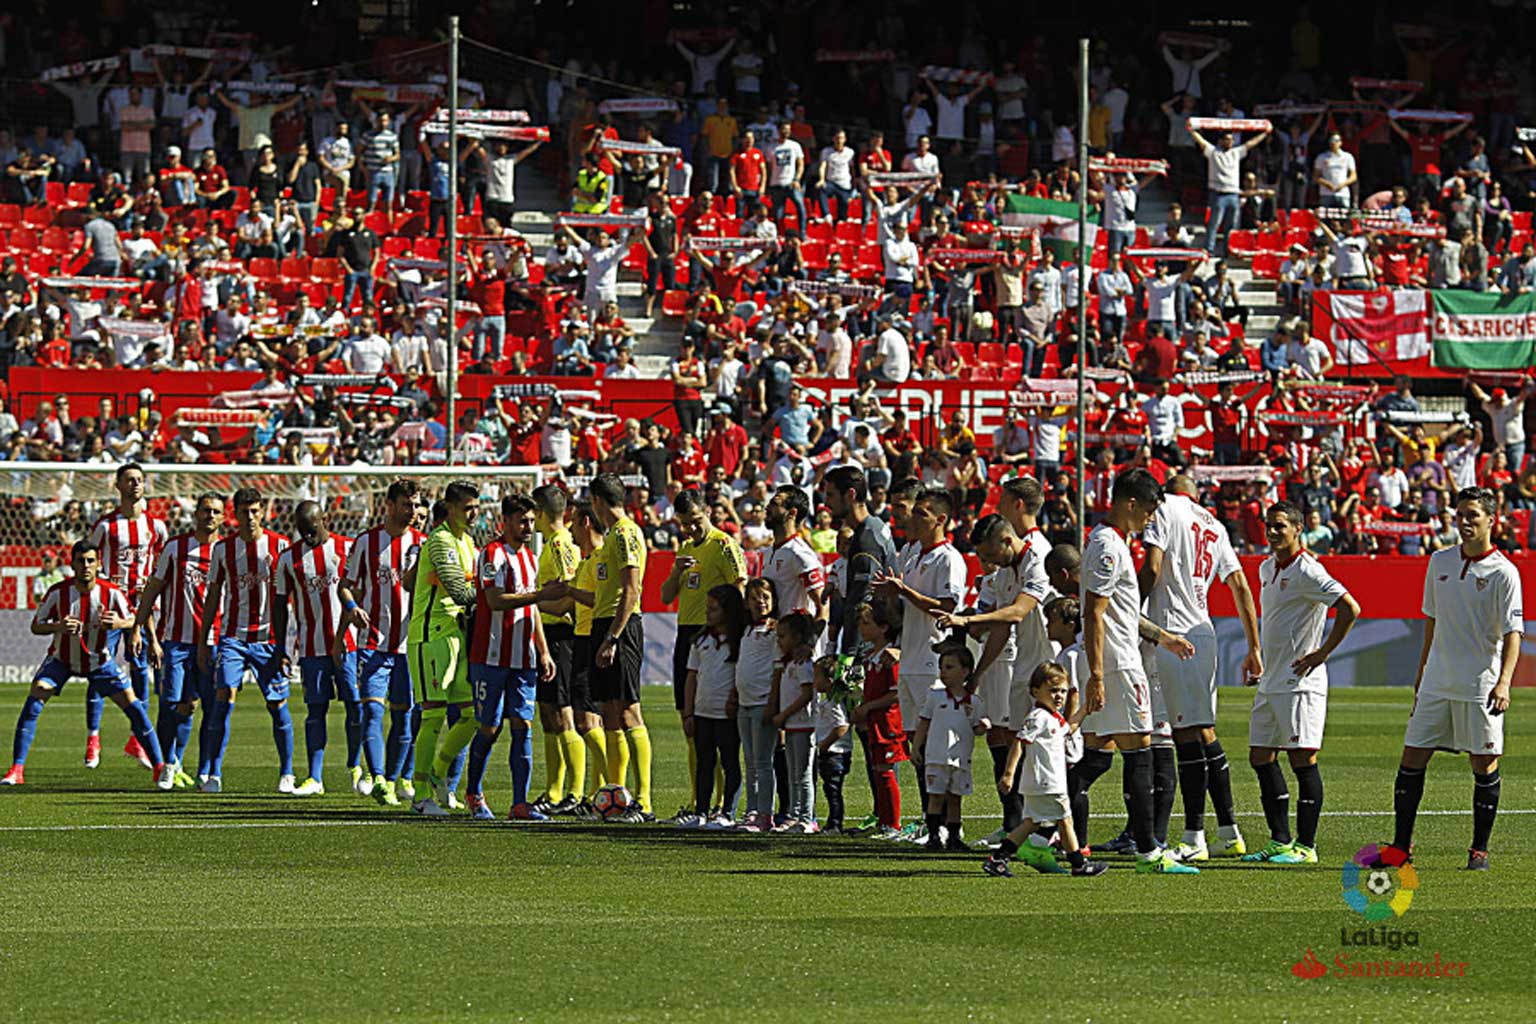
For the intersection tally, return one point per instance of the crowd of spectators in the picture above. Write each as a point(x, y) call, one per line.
point(284, 223)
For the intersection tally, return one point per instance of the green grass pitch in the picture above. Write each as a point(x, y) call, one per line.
point(125, 904)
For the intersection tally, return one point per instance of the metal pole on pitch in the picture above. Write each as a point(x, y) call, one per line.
point(1084, 255)
point(453, 232)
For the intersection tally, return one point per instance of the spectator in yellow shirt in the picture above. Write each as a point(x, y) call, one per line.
point(720, 131)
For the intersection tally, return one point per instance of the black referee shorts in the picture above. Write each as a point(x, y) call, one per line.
point(686, 635)
point(581, 675)
point(620, 681)
point(556, 692)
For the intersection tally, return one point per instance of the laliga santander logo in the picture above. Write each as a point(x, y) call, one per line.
point(1379, 883)
point(1309, 966)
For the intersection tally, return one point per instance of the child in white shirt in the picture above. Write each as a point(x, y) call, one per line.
point(1041, 742)
point(834, 747)
point(951, 719)
point(797, 633)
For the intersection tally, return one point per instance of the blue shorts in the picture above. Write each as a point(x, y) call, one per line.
point(384, 674)
point(139, 669)
point(181, 680)
point(106, 680)
point(503, 693)
point(231, 659)
point(323, 681)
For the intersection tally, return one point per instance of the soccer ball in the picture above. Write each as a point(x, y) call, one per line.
point(1379, 882)
point(612, 801)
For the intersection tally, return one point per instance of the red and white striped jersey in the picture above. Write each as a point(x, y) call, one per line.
point(311, 575)
point(247, 570)
point(505, 639)
point(376, 569)
point(128, 546)
point(96, 644)
point(182, 570)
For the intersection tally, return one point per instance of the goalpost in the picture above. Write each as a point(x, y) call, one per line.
point(47, 506)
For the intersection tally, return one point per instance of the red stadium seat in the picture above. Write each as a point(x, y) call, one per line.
point(990, 352)
point(1242, 241)
point(55, 239)
point(23, 240)
point(417, 200)
point(263, 268)
point(326, 269)
point(56, 194)
point(396, 246)
point(10, 215)
point(78, 194)
point(428, 248)
point(377, 222)
point(42, 263)
point(675, 302)
point(37, 217)
point(1303, 220)
point(295, 268)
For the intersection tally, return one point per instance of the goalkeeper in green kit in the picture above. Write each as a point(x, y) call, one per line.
point(437, 645)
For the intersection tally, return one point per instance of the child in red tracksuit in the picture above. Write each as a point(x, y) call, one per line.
point(878, 718)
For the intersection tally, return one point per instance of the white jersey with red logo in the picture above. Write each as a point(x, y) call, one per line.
point(128, 546)
point(505, 639)
point(311, 574)
point(796, 571)
point(95, 644)
point(182, 569)
point(247, 570)
point(376, 569)
point(1196, 552)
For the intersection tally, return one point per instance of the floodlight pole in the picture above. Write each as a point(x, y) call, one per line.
point(1084, 254)
point(453, 233)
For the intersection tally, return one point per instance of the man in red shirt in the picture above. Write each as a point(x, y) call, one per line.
point(690, 466)
point(488, 290)
point(702, 220)
point(728, 274)
point(1226, 416)
point(1157, 360)
point(726, 441)
point(746, 170)
point(213, 191)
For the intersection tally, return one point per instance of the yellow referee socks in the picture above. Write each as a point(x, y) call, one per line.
point(597, 749)
point(618, 756)
point(641, 738)
point(574, 758)
point(554, 768)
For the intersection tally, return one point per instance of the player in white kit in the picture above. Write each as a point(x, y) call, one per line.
point(1292, 702)
point(1013, 609)
point(1117, 694)
point(929, 579)
point(1187, 551)
point(1474, 617)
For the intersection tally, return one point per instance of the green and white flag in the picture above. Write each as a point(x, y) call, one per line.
point(1483, 330)
point(1055, 221)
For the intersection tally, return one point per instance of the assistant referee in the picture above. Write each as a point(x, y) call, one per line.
point(619, 640)
point(707, 558)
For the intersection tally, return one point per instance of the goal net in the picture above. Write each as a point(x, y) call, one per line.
point(47, 507)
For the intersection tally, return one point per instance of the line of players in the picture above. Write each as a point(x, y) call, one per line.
point(564, 634)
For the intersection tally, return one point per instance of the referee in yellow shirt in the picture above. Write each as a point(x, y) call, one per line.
point(565, 758)
point(619, 642)
point(706, 558)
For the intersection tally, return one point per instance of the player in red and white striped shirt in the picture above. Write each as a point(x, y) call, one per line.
point(127, 540)
point(376, 596)
point(240, 598)
point(309, 576)
point(179, 583)
point(507, 654)
point(85, 616)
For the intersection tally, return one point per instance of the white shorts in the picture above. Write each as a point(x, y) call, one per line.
point(1162, 732)
point(1127, 705)
point(1046, 808)
point(995, 690)
point(1462, 726)
point(911, 694)
point(1288, 721)
point(945, 779)
point(1189, 687)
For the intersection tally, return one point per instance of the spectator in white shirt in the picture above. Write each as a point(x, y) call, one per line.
point(1049, 279)
point(786, 175)
point(1223, 181)
point(1309, 354)
point(951, 106)
point(835, 347)
point(900, 258)
point(1165, 415)
point(891, 361)
point(834, 176)
point(367, 351)
point(1334, 174)
point(916, 118)
point(1189, 62)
